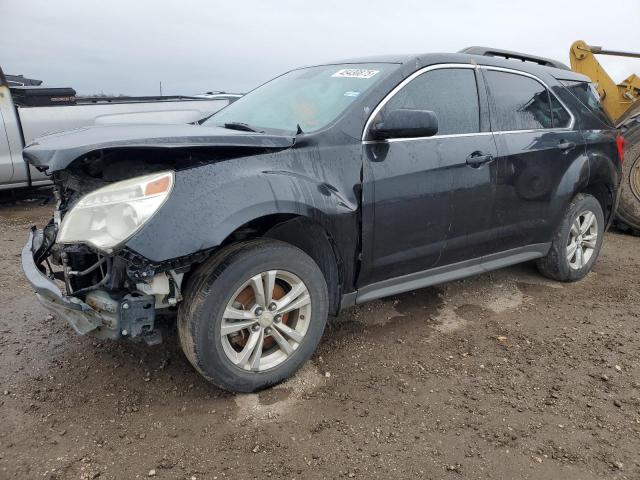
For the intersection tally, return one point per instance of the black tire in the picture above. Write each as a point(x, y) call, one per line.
point(628, 213)
point(555, 264)
point(210, 289)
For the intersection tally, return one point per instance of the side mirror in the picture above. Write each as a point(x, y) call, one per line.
point(406, 123)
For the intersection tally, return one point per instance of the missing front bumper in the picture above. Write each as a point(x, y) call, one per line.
point(81, 316)
point(102, 315)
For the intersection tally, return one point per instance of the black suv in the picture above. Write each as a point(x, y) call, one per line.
point(323, 188)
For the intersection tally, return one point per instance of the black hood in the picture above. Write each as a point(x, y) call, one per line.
point(55, 152)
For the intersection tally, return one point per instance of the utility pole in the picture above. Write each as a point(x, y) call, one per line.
point(160, 87)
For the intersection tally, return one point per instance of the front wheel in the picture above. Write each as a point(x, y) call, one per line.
point(577, 242)
point(253, 315)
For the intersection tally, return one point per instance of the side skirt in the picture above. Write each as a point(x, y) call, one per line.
point(446, 273)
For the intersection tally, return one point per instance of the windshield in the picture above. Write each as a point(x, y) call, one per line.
point(309, 98)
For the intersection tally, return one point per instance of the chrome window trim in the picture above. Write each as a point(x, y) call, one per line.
point(400, 86)
point(434, 137)
point(537, 79)
point(417, 73)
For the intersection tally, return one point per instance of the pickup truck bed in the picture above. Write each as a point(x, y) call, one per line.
point(21, 123)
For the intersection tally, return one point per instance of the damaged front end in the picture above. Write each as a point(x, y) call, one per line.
point(109, 183)
point(81, 270)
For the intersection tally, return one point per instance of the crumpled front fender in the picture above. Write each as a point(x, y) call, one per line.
point(209, 202)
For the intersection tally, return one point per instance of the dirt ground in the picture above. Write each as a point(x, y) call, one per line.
point(504, 376)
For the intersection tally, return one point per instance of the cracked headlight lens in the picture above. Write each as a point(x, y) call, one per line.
point(107, 217)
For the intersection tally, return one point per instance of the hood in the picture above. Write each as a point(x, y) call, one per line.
point(55, 152)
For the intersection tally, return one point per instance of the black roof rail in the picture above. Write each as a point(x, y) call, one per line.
point(523, 57)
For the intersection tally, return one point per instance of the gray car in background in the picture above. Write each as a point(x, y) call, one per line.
point(29, 112)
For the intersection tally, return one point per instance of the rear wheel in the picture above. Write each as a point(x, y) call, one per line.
point(577, 241)
point(253, 315)
point(628, 213)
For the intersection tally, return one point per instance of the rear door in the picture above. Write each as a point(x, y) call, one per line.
point(537, 144)
point(424, 206)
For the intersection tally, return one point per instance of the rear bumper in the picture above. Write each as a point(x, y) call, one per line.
point(81, 316)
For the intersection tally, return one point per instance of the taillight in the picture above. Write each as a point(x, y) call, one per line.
point(620, 147)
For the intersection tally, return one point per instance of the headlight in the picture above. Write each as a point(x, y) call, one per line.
point(110, 215)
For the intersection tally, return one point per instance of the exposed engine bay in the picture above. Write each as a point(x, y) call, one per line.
point(125, 289)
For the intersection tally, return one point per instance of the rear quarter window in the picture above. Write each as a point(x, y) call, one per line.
point(588, 95)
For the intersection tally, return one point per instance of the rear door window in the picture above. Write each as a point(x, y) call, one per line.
point(451, 93)
point(518, 102)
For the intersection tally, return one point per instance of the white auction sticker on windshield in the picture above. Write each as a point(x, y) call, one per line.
point(355, 73)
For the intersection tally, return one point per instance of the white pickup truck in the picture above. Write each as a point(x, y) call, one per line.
point(27, 113)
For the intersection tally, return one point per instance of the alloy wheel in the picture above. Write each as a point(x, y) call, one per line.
point(582, 241)
point(266, 320)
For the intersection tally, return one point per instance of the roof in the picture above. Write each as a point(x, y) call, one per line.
point(426, 59)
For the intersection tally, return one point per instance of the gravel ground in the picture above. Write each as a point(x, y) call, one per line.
point(505, 375)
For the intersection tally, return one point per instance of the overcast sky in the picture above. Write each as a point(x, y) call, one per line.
point(118, 46)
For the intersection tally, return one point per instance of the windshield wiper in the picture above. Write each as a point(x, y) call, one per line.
point(243, 127)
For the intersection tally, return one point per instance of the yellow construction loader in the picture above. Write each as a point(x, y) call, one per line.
point(621, 102)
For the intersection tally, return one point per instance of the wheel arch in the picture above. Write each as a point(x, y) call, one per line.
point(604, 195)
point(306, 233)
point(602, 184)
point(593, 174)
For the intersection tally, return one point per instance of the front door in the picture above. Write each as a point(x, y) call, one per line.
point(426, 202)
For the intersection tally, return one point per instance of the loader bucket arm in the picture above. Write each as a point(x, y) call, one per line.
point(618, 100)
